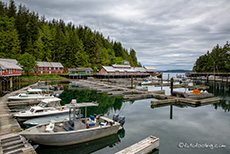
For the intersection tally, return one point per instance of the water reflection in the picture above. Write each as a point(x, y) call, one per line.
point(223, 91)
point(171, 123)
point(105, 103)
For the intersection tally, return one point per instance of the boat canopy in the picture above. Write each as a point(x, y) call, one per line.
point(78, 105)
point(51, 102)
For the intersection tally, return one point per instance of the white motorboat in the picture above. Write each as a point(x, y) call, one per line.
point(72, 131)
point(31, 94)
point(45, 108)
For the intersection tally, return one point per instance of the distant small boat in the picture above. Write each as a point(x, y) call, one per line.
point(45, 108)
point(184, 80)
point(31, 94)
point(72, 131)
point(147, 82)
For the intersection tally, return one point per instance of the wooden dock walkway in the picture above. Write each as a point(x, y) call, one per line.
point(143, 147)
point(15, 144)
point(10, 140)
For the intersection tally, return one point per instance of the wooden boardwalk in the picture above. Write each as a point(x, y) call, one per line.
point(10, 140)
point(144, 146)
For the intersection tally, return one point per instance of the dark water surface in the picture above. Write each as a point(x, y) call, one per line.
point(181, 129)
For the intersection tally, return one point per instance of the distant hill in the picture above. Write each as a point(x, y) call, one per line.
point(177, 71)
point(22, 31)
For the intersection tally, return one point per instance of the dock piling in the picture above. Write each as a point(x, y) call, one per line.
point(171, 86)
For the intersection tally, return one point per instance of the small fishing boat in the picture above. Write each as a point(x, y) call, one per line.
point(31, 94)
point(72, 131)
point(46, 107)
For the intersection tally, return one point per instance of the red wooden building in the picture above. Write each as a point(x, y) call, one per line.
point(49, 68)
point(9, 67)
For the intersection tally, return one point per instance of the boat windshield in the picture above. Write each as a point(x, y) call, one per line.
point(55, 104)
point(42, 104)
point(33, 92)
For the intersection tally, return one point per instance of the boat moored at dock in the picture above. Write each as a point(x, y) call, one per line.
point(46, 107)
point(72, 131)
point(31, 94)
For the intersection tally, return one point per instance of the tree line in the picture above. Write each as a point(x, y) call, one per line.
point(24, 32)
point(218, 60)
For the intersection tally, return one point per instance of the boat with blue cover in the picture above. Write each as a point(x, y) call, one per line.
point(75, 130)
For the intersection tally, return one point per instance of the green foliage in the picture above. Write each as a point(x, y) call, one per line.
point(21, 31)
point(216, 61)
point(42, 77)
point(27, 62)
point(9, 42)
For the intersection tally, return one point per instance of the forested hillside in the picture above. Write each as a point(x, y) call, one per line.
point(218, 60)
point(23, 31)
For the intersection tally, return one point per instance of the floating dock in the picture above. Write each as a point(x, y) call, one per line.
point(134, 94)
point(144, 146)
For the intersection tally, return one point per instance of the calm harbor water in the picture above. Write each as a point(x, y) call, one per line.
point(181, 129)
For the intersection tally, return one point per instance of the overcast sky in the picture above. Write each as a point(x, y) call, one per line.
point(168, 34)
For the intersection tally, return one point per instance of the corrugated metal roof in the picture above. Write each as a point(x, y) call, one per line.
point(9, 65)
point(128, 70)
point(72, 70)
point(126, 66)
point(84, 69)
point(49, 64)
point(9, 60)
point(79, 69)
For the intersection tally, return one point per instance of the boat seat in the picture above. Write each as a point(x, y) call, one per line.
point(71, 123)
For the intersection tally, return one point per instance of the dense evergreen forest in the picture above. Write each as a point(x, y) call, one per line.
point(22, 31)
point(216, 61)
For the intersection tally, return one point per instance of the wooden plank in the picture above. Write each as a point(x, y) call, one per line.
point(14, 143)
point(166, 101)
point(144, 146)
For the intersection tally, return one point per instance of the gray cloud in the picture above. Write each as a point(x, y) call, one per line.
point(164, 33)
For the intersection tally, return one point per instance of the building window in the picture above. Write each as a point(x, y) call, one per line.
point(50, 68)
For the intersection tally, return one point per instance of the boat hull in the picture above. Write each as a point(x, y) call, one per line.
point(70, 137)
point(28, 116)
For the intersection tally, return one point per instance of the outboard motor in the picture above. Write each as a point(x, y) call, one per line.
point(116, 117)
point(121, 120)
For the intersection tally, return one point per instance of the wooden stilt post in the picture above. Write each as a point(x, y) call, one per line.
point(11, 84)
point(171, 86)
point(131, 81)
point(161, 81)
